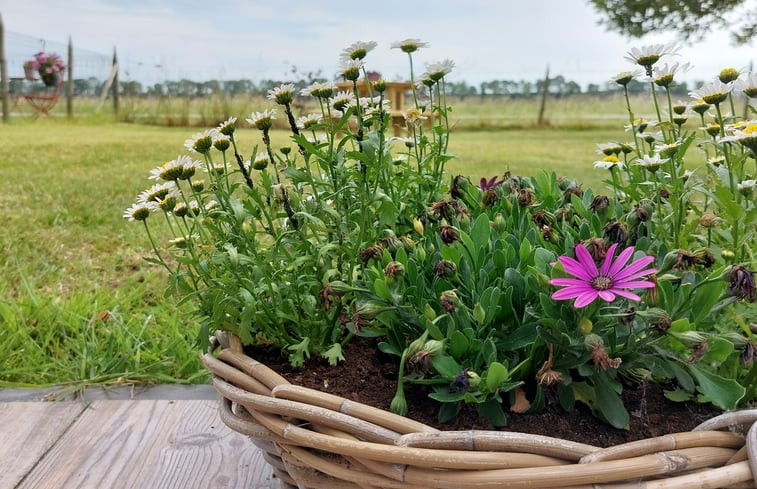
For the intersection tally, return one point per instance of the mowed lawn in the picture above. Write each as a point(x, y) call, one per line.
point(79, 304)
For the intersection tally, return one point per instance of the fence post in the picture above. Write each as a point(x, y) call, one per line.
point(70, 86)
point(115, 83)
point(545, 89)
point(3, 73)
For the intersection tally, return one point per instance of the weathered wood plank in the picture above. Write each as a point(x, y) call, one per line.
point(151, 444)
point(27, 431)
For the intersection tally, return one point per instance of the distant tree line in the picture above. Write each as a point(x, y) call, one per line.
point(558, 87)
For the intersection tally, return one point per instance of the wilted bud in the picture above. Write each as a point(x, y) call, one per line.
point(449, 301)
point(596, 248)
point(741, 283)
point(750, 353)
point(416, 345)
point(407, 243)
point(616, 232)
point(394, 269)
point(460, 186)
point(628, 316)
point(602, 359)
point(653, 293)
point(391, 243)
point(490, 197)
point(547, 233)
point(562, 215)
point(445, 209)
point(688, 338)
point(541, 218)
point(448, 234)
point(592, 340)
point(600, 205)
point(699, 351)
point(328, 296)
point(708, 220)
point(572, 191)
point(445, 269)
point(370, 253)
point(526, 197)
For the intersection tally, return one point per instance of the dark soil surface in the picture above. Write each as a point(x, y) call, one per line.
point(368, 376)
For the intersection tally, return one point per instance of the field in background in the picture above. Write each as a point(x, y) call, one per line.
point(580, 111)
point(78, 303)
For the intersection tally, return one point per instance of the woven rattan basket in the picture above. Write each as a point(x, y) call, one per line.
point(316, 440)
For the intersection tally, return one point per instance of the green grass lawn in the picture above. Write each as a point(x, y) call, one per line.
point(79, 304)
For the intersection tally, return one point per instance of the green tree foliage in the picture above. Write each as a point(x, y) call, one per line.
point(692, 19)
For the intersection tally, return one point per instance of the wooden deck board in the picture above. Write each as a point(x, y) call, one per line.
point(151, 444)
point(28, 430)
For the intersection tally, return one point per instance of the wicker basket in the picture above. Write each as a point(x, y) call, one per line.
point(320, 441)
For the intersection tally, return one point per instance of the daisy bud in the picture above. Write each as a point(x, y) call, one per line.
point(198, 186)
point(429, 312)
point(526, 197)
point(653, 293)
point(585, 325)
point(380, 86)
point(616, 232)
point(449, 301)
point(728, 75)
point(418, 226)
point(285, 150)
point(600, 205)
point(445, 269)
point(499, 223)
point(370, 253)
point(416, 345)
point(393, 270)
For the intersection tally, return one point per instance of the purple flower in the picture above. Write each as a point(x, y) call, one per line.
point(606, 282)
point(485, 184)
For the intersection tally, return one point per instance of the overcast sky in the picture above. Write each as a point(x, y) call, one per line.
point(505, 39)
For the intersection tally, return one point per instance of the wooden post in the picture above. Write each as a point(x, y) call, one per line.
point(544, 91)
point(70, 86)
point(3, 73)
point(115, 83)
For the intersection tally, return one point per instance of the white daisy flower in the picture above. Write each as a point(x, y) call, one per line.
point(156, 192)
point(712, 93)
point(611, 148)
point(318, 90)
point(663, 75)
point(746, 136)
point(350, 69)
point(262, 120)
point(202, 141)
point(409, 45)
point(168, 171)
point(283, 94)
point(261, 161)
point(647, 56)
point(624, 77)
point(307, 121)
point(228, 126)
point(437, 71)
point(609, 162)
point(651, 163)
point(221, 142)
point(413, 117)
point(342, 101)
point(747, 85)
point(316, 139)
point(140, 211)
point(189, 166)
point(357, 50)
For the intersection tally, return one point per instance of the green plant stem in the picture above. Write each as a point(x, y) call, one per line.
point(631, 119)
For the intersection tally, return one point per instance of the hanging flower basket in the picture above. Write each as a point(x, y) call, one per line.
point(318, 440)
point(49, 66)
point(51, 79)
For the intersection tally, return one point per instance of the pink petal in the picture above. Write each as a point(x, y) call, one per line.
point(634, 268)
point(608, 260)
point(567, 282)
point(638, 284)
point(569, 293)
point(574, 268)
point(606, 295)
point(620, 261)
point(627, 295)
point(585, 259)
point(585, 299)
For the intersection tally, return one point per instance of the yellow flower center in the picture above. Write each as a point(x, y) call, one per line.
point(750, 129)
point(611, 159)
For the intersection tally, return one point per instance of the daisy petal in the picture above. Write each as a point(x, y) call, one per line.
point(608, 260)
point(627, 295)
point(565, 282)
point(574, 268)
point(585, 259)
point(606, 295)
point(638, 284)
point(634, 267)
point(620, 261)
point(585, 299)
point(569, 293)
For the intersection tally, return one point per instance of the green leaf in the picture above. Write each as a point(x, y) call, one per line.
point(480, 231)
point(458, 344)
point(491, 409)
point(448, 411)
point(706, 297)
point(443, 394)
point(609, 404)
point(678, 395)
point(299, 352)
point(334, 354)
point(446, 366)
point(718, 352)
point(723, 393)
point(495, 376)
point(382, 289)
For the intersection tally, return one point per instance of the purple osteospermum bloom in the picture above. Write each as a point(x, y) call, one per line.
point(606, 282)
point(490, 184)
